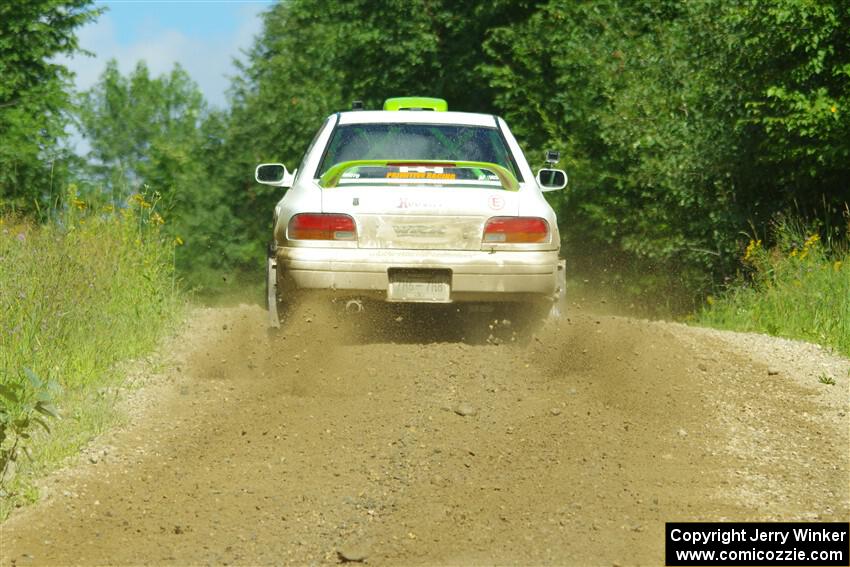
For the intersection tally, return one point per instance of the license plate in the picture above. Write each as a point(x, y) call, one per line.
point(419, 287)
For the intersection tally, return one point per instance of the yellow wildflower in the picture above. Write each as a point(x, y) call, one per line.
point(139, 199)
point(752, 247)
point(710, 300)
point(810, 242)
point(156, 218)
point(178, 241)
point(79, 204)
point(833, 109)
point(837, 265)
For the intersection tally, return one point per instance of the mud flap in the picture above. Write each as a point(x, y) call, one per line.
point(559, 302)
point(271, 292)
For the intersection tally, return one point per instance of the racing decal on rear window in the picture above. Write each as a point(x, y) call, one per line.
point(419, 175)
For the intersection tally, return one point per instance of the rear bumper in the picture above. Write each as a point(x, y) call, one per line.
point(475, 275)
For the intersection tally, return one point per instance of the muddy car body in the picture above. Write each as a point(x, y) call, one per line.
point(414, 206)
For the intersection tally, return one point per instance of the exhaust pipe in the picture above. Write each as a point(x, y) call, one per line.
point(354, 306)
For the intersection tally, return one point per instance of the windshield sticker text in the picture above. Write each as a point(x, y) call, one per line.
point(419, 175)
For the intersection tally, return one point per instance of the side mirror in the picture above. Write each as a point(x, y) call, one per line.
point(274, 174)
point(551, 179)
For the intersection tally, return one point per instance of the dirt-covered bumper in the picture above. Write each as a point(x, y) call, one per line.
point(475, 275)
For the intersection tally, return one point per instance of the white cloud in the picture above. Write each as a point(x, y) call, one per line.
point(209, 61)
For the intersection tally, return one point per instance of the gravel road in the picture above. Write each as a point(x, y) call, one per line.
point(338, 442)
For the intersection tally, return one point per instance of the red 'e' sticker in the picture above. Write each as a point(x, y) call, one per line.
point(497, 202)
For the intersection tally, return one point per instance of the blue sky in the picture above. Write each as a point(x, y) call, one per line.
point(204, 36)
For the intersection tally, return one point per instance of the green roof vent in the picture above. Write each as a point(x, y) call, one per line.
point(416, 103)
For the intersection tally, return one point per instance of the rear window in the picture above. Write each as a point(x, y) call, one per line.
point(417, 141)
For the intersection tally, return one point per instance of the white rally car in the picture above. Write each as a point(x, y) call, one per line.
point(415, 204)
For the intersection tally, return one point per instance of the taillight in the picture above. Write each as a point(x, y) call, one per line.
point(321, 226)
point(516, 230)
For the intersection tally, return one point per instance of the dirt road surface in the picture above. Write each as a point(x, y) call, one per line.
point(412, 445)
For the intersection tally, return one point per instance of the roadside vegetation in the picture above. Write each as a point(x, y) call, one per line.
point(799, 288)
point(78, 295)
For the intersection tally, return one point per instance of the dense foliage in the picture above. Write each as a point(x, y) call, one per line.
point(34, 97)
point(684, 122)
point(683, 125)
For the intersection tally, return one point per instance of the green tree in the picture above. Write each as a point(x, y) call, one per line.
point(141, 129)
point(614, 86)
point(34, 96)
point(155, 136)
point(684, 124)
point(786, 64)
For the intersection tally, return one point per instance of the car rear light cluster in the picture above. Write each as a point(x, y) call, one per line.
point(515, 230)
point(321, 226)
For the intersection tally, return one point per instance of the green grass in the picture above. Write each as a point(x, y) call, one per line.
point(77, 296)
point(799, 288)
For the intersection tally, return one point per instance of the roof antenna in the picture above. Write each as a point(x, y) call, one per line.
point(357, 105)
